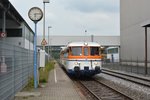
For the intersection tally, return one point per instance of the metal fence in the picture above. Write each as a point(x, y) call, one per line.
point(130, 66)
point(16, 68)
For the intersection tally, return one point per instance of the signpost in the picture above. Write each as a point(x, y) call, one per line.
point(35, 14)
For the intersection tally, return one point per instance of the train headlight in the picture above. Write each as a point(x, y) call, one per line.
point(95, 63)
point(76, 63)
point(86, 44)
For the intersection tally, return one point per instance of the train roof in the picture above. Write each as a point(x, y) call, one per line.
point(94, 44)
point(112, 47)
point(63, 49)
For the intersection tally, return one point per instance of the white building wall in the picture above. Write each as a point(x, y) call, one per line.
point(31, 46)
point(26, 35)
point(17, 41)
point(132, 37)
point(27, 44)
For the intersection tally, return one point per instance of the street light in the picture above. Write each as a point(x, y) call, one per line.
point(146, 26)
point(48, 40)
point(85, 35)
point(44, 1)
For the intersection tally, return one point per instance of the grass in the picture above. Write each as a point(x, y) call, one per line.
point(45, 72)
point(30, 85)
point(43, 76)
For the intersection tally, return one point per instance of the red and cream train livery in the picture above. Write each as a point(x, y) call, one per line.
point(81, 58)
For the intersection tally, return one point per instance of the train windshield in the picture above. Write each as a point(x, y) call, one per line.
point(76, 51)
point(112, 50)
point(85, 51)
point(94, 51)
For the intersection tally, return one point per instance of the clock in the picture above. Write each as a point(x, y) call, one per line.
point(35, 14)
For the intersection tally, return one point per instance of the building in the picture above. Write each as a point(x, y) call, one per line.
point(11, 22)
point(134, 14)
point(16, 51)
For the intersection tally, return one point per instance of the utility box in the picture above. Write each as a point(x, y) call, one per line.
point(46, 1)
point(42, 58)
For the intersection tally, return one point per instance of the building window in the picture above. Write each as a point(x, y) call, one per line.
point(13, 32)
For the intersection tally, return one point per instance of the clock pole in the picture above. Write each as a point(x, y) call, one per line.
point(35, 57)
point(35, 14)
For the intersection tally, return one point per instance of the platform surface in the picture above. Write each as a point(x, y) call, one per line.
point(59, 87)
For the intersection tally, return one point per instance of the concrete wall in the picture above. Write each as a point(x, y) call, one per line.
point(133, 13)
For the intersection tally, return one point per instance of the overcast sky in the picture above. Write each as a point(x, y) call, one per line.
point(73, 17)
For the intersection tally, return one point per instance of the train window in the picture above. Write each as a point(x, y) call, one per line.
point(65, 55)
point(85, 51)
point(112, 50)
point(94, 51)
point(76, 51)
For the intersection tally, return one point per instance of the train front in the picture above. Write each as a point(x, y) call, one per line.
point(84, 59)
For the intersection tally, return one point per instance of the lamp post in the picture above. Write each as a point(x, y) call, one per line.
point(146, 60)
point(92, 38)
point(48, 40)
point(85, 35)
point(145, 50)
point(44, 1)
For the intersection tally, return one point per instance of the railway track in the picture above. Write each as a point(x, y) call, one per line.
point(129, 77)
point(100, 91)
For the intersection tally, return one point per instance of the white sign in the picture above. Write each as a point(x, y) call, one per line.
point(2, 34)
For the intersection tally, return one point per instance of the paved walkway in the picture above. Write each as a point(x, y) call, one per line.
point(59, 87)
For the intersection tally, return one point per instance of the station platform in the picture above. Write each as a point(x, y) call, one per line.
point(59, 87)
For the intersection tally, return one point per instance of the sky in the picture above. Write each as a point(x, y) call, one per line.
point(73, 17)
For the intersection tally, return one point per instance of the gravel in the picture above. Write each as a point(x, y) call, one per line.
point(135, 91)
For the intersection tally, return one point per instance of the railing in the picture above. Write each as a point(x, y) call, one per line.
point(132, 66)
point(16, 68)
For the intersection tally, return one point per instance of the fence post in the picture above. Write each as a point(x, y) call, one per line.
point(137, 66)
point(13, 71)
point(126, 66)
point(120, 63)
point(131, 65)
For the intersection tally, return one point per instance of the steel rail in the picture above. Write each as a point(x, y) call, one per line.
point(114, 89)
point(108, 88)
point(90, 91)
point(132, 78)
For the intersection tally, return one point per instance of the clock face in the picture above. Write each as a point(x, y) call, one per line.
point(35, 14)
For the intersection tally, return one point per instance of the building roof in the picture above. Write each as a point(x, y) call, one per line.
point(12, 13)
point(64, 40)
